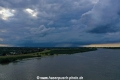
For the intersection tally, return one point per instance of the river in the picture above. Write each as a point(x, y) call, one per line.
point(103, 64)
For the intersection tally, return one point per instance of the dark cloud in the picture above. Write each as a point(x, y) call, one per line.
point(58, 21)
point(103, 18)
point(104, 29)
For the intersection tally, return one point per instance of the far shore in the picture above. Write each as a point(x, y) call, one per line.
point(12, 58)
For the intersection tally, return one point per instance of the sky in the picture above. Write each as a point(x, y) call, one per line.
point(59, 23)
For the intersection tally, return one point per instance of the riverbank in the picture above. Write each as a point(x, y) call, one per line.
point(112, 48)
point(11, 58)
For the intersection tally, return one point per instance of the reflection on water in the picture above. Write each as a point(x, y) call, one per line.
point(102, 64)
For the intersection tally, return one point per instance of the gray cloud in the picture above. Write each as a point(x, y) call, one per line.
point(103, 18)
point(104, 29)
point(41, 31)
point(58, 21)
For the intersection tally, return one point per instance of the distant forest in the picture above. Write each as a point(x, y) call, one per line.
point(25, 50)
point(18, 50)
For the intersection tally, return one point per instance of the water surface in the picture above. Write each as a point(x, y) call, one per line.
point(103, 64)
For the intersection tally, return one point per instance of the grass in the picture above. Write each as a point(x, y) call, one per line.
point(11, 58)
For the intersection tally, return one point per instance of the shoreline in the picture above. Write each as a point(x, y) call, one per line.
point(12, 58)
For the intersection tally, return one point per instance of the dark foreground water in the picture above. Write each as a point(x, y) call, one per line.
point(103, 64)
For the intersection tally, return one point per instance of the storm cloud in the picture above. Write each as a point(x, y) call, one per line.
point(58, 22)
point(104, 17)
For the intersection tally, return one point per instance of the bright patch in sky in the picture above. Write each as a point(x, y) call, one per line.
point(3, 31)
point(6, 13)
point(1, 39)
point(31, 12)
point(94, 1)
point(104, 45)
point(4, 45)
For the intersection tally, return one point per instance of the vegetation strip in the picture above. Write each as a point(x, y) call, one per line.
point(11, 58)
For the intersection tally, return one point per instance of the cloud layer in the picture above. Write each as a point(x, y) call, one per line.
point(59, 22)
